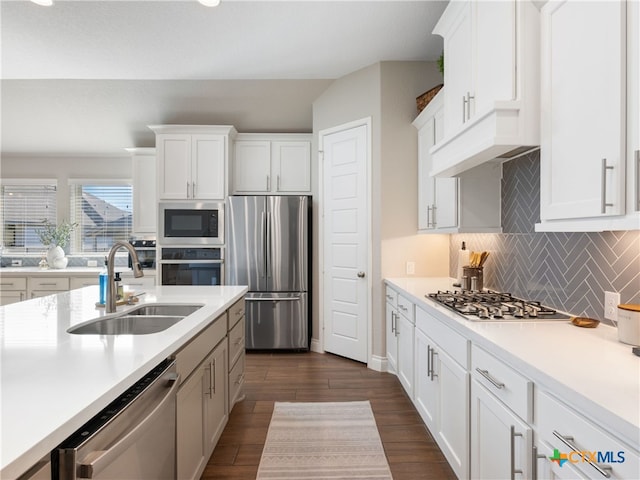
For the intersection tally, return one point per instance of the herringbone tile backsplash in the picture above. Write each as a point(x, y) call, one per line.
point(567, 271)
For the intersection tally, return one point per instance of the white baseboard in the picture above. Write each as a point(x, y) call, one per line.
point(377, 363)
point(315, 346)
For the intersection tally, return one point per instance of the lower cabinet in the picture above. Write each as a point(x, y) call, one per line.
point(442, 390)
point(202, 404)
point(12, 289)
point(236, 352)
point(400, 338)
point(43, 286)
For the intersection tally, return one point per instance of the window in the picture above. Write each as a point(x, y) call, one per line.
point(25, 206)
point(103, 213)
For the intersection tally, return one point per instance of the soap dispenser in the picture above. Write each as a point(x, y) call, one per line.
point(119, 287)
point(102, 280)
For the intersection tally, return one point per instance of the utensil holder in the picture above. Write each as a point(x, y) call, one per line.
point(474, 273)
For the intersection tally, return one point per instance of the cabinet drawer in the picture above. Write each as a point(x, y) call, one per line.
point(456, 346)
point(582, 439)
point(236, 312)
point(514, 390)
point(236, 343)
point(9, 283)
point(80, 282)
point(49, 283)
point(190, 356)
point(392, 296)
point(236, 380)
point(406, 308)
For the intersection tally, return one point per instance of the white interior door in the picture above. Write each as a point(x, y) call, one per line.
point(345, 242)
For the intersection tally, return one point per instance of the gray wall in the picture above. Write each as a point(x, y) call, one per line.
point(568, 271)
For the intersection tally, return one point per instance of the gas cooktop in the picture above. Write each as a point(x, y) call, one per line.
point(488, 305)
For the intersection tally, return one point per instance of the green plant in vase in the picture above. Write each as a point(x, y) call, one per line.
point(55, 238)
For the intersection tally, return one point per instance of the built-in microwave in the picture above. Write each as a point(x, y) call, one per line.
point(191, 223)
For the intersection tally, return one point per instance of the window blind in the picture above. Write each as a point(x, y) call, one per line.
point(24, 208)
point(103, 213)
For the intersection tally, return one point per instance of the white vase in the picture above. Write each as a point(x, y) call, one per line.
point(56, 257)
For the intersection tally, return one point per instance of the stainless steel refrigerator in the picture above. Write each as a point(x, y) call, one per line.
point(268, 250)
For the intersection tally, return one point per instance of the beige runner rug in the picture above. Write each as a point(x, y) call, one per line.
point(323, 440)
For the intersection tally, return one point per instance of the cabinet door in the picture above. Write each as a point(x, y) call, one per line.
point(426, 397)
point(208, 167)
point(190, 434)
point(174, 166)
point(215, 398)
point(494, 54)
point(426, 183)
point(145, 186)
point(582, 144)
point(291, 166)
point(9, 297)
point(405, 357)
point(252, 166)
point(392, 340)
point(495, 428)
point(457, 67)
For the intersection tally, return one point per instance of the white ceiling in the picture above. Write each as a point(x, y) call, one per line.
point(310, 41)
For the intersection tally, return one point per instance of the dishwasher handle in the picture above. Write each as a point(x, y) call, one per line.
point(94, 462)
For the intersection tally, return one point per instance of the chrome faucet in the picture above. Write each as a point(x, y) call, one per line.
point(110, 303)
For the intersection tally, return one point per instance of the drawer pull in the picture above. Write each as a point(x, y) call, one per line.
point(603, 470)
point(47, 284)
point(534, 465)
point(240, 379)
point(431, 370)
point(604, 205)
point(239, 313)
point(404, 308)
point(3, 284)
point(514, 434)
point(389, 297)
point(493, 381)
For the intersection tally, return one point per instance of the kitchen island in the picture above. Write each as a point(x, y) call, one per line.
point(52, 382)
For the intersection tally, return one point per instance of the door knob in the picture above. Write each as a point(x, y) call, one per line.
point(360, 274)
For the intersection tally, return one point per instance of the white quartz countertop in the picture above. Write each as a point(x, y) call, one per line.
point(64, 272)
point(52, 382)
point(587, 367)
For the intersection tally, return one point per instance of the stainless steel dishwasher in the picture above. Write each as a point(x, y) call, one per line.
point(134, 437)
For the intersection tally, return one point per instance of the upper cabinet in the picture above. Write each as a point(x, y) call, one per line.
point(467, 203)
point(145, 190)
point(272, 164)
point(590, 127)
point(192, 161)
point(491, 84)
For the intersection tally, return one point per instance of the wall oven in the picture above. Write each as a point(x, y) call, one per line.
point(146, 250)
point(191, 265)
point(190, 223)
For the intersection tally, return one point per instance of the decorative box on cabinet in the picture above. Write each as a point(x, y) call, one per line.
point(583, 142)
point(272, 163)
point(491, 84)
point(145, 190)
point(442, 388)
point(501, 411)
point(400, 338)
point(192, 161)
point(467, 203)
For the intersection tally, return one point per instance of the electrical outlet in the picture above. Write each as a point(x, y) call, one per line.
point(92, 263)
point(16, 263)
point(411, 268)
point(611, 302)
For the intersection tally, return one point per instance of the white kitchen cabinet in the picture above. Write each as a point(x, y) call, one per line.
point(590, 141)
point(591, 451)
point(501, 413)
point(442, 388)
point(400, 331)
point(272, 164)
point(467, 203)
point(12, 289)
point(145, 190)
point(236, 351)
point(192, 161)
point(216, 405)
point(491, 84)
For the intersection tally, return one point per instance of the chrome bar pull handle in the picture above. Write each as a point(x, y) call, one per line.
point(193, 189)
point(213, 378)
point(604, 470)
point(268, 183)
point(514, 434)
point(278, 183)
point(534, 465)
point(433, 215)
point(429, 359)
point(485, 373)
point(464, 108)
point(469, 98)
point(605, 167)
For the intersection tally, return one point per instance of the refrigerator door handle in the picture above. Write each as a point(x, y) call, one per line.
point(268, 255)
point(264, 243)
point(274, 299)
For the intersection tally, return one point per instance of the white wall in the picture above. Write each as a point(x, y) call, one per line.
point(385, 92)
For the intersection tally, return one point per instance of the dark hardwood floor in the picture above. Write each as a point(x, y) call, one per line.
point(311, 377)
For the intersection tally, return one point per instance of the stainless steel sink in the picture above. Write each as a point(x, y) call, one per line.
point(145, 319)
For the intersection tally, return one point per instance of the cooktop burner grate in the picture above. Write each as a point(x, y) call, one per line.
point(489, 305)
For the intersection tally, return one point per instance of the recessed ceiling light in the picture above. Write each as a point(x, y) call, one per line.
point(210, 3)
point(44, 3)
